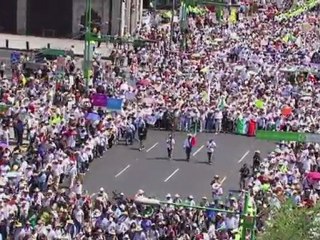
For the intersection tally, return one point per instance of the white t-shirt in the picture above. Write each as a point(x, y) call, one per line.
point(170, 143)
point(79, 215)
point(211, 146)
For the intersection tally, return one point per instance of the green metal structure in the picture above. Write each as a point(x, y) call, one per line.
point(248, 214)
point(87, 59)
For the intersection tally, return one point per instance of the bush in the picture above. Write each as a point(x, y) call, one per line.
point(293, 223)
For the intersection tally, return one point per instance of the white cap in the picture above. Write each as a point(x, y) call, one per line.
point(168, 195)
point(101, 189)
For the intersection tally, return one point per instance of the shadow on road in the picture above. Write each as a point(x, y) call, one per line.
point(158, 158)
point(167, 159)
point(134, 148)
point(202, 162)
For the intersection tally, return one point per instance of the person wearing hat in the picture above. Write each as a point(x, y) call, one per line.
point(204, 202)
point(139, 233)
point(70, 228)
point(177, 199)
point(170, 145)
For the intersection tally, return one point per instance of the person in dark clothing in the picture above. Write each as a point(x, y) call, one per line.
point(110, 140)
point(256, 160)
point(244, 174)
point(3, 230)
point(142, 133)
point(188, 146)
point(19, 129)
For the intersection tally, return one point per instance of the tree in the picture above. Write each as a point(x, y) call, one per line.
point(293, 223)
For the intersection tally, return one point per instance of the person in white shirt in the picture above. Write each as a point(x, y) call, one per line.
point(211, 145)
point(170, 145)
point(218, 120)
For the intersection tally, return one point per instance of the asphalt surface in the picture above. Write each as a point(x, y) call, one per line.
point(5, 56)
point(125, 169)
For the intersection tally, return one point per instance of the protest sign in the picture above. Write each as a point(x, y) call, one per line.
point(99, 100)
point(259, 104)
point(150, 119)
point(114, 104)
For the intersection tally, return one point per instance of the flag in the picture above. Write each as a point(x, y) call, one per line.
point(219, 13)
point(222, 103)
point(193, 141)
point(240, 126)
point(233, 15)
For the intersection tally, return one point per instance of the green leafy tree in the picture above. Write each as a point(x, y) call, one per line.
point(293, 223)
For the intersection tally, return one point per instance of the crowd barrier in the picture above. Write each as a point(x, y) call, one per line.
point(239, 126)
point(196, 125)
point(21, 45)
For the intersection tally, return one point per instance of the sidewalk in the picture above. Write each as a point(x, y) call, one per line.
point(18, 42)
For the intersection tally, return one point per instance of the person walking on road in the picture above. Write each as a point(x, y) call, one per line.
point(211, 145)
point(142, 132)
point(187, 145)
point(244, 174)
point(170, 145)
point(2, 69)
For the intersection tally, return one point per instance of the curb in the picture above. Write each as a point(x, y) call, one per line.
point(35, 49)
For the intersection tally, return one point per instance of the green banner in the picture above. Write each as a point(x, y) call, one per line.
point(298, 10)
point(280, 136)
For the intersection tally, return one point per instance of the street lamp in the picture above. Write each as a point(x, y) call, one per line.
point(87, 42)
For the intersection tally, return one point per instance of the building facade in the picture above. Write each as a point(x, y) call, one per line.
point(64, 18)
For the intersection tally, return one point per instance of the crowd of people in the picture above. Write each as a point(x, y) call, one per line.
point(229, 76)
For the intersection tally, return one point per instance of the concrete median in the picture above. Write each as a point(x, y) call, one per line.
point(31, 43)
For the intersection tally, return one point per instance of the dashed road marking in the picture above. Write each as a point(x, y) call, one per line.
point(122, 171)
point(198, 150)
point(223, 179)
point(244, 156)
point(171, 175)
point(152, 147)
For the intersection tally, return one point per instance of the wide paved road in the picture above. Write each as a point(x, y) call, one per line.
point(125, 169)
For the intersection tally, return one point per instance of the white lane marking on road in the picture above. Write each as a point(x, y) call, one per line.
point(223, 179)
point(243, 157)
point(122, 171)
point(198, 150)
point(153, 146)
point(171, 175)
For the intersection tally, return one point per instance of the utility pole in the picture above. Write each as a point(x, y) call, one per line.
point(87, 42)
point(171, 23)
point(183, 23)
